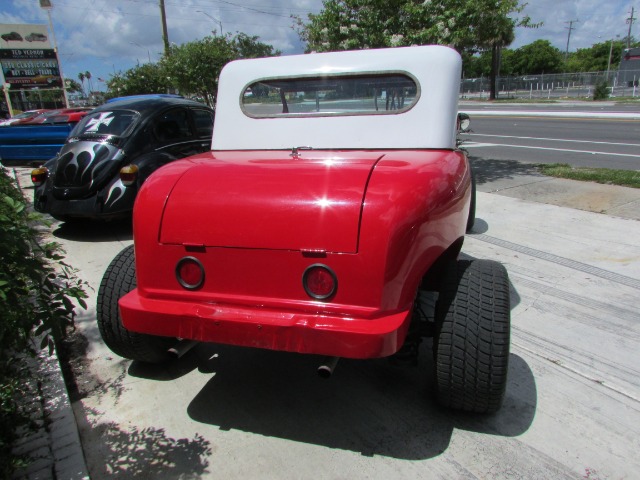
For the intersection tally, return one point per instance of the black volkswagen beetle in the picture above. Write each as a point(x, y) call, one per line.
point(113, 150)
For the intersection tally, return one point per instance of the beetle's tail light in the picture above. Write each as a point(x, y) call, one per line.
point(190, 273)
point(129, 175)
point(319, 281)
point(39, 175)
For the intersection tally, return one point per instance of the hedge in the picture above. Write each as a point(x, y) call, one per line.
point(37, 294)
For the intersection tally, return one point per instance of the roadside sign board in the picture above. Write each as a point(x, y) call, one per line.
point(30, 68)
point(27, 57)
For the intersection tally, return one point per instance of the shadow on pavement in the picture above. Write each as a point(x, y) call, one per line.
point(93, 231)
point(171, 370)
point(479, 226)
point(133, 452)
point(490, 170)
point(368, 406)
point(125, 451)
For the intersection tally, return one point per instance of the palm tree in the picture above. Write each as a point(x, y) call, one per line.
point(87, 75)
point(81, 77)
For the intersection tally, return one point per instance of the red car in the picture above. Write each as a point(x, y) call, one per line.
point(22, 117)
point(62, 115)
point(333, 199)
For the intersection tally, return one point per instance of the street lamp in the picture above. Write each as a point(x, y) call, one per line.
point(46, 5)
point(148, 53)
point(212, 18)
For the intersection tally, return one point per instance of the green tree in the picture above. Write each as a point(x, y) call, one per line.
point(596, 57)
point(538, 57)
point(479, 65)
point(467, 25)
point(73, 86)
point(81, 77)
point(194, 67)
point(87, 75)
point(146, 78)
point(476, 65)
point(355, 24)
point(250, 47)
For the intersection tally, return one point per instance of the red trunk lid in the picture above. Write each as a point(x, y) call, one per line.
point(270, 200)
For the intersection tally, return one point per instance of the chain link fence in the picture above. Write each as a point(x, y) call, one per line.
point(554, 86)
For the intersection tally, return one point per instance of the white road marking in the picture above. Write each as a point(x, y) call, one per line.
point(589, 152)
point(563, 114)
point(553, 139)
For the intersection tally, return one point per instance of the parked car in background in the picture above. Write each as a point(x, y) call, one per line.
point(33, 140)
point(113, 150)
point(31, 145)
point(61, 115)
point(329, 206)
point(66, 117)
point(22, 117)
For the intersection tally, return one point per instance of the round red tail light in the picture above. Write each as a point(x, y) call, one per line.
point(190, 273)
point(319, 281)
point(39, 176)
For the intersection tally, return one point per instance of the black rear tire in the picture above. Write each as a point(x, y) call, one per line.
point(471, 344)
point(118, 280)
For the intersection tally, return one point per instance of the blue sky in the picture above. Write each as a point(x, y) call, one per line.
point(109, 36)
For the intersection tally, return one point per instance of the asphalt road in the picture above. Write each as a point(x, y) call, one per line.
point(572, 408)
point(567, 106)
point(582, 142)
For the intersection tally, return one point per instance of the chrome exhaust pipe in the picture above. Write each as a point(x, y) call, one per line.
point(182, 347)
point(328, 365)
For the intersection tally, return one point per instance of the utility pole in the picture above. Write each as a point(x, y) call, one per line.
point(165, 35)
point(570, 27)
point(630, 22)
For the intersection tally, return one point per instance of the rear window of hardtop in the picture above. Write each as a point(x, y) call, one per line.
point(329, 95)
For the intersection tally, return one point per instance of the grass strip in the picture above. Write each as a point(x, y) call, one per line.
point(608, 176)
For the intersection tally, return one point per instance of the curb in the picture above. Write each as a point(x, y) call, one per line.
point(55, 447)
point(557, 114)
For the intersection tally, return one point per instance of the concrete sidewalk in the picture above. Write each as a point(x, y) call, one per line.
point(519, 180)
point(558, 109)
point(58, 447)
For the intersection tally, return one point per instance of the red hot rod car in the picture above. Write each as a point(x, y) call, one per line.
point(332, 197)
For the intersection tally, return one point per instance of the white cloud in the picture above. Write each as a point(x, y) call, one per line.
point(597, 22)
point(107, 36)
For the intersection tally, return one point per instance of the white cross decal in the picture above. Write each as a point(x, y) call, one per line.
point(103, 119)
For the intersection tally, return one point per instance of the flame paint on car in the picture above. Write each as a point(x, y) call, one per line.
point(84, 178)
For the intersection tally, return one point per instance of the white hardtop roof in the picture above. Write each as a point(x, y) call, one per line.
point(429, 123)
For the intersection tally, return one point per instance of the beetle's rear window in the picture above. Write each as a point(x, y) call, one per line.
point(363, 94)
point(114, 122)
